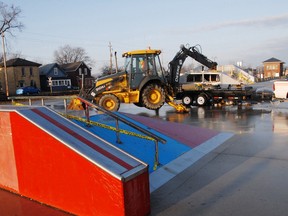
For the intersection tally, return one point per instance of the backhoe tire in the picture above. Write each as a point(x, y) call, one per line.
point(153, 96)
point(201, 100)
point(109, 102)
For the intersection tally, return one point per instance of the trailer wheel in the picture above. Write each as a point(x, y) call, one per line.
point(109, 102)
point(153, 96)
point(201, 100)
point(187, 100)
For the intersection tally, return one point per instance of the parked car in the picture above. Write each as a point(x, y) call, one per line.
point(27, 90)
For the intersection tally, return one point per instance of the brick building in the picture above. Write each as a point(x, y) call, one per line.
point(273, 68)
point(20, 73)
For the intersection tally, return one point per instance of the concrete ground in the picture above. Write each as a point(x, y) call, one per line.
point(247, 175)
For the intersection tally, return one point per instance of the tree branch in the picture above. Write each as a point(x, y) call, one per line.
point(9, 17)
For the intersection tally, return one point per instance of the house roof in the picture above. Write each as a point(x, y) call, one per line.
point(48, 70)
point(272, 60)
point(19, 62)
point(45, 69)
point(71, 66)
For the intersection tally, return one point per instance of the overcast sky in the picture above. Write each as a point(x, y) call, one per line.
point(228, 31)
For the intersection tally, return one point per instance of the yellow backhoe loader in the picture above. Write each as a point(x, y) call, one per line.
point(143, 81)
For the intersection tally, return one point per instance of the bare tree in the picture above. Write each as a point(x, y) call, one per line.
point(8, 22)
point(9, 18)
point(106, 70)
point(68, 54)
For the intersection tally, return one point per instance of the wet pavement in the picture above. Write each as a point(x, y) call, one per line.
point(247, 175)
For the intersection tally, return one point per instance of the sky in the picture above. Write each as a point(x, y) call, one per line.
point(228, 31)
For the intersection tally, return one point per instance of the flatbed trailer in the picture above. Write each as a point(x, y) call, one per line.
point(203, 97)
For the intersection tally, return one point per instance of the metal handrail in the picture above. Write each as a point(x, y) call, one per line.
point(117, 117)
point(42, 98)
point(148, 133)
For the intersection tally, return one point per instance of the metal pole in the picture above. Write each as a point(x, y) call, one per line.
point(82, 84)
point(5, 67)
point(87, 114)
point(65, 106)
point(156, 157)
point(116, 62)
point(117, 132)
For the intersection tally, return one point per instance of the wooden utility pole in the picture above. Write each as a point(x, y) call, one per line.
point(5, 67)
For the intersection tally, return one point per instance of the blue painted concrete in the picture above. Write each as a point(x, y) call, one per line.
point(140, 148)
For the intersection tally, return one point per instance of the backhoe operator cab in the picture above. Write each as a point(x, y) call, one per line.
point(143, 66)
point(140, 83)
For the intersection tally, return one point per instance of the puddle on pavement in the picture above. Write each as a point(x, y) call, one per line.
point(233, 119)
point(262, 117)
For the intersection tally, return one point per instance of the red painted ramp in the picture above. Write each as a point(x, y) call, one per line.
point(48, 158)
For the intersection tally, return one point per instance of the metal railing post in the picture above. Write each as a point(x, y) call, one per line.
point(117, 132)
point(156, 157)
point(65, 105)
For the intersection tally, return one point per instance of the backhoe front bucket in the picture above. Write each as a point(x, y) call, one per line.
point(75, 104)
point(180, 108)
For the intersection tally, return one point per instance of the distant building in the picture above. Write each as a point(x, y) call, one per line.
point(75, 72)
point(20, 73)
point(237, 73)
point(273, 68)
point(53, 77)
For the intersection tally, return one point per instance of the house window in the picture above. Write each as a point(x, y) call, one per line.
point(55, 83)
point(85, 71)
point(65, 82)
point(31, 71)
point(272, 67)
point(80, 71)
point(23, 72)
point(55, 71)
